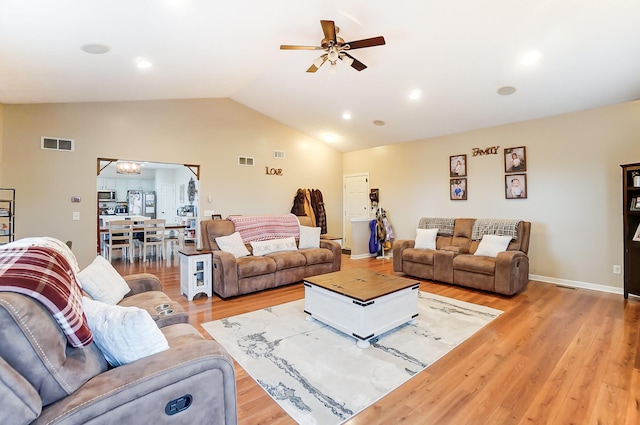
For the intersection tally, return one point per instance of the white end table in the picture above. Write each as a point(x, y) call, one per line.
point(195, 272)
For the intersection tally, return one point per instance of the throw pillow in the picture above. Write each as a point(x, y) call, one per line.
point(273, 245)
point(309, 237)
point(102, 282)
point(426, 238)
point(233, 244)
point(491, 245)
point(123, 334)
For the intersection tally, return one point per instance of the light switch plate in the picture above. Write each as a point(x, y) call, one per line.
point(76, 215)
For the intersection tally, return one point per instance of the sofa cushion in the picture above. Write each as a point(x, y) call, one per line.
point(288, 260)
point(255, 266)
point(102, 282)
point(424, 256)
point(273, 245)
point(123, 334)
point(426, 238)
point(317, 255)
point(309, 237)
point(491, 245)
point(475, 264)
point(233, 244)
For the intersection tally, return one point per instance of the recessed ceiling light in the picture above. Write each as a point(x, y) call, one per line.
point(415, 94)
point(531, 58)
point(95, 49)
point(346, 115)
point(143, 63)
point(379, 122)
point(506, 90)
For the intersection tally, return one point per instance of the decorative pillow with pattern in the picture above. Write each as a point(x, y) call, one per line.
point(233, 244)
point(261, 248)
point(309, 237)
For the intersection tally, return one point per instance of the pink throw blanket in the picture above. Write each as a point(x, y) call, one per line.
point(254, 228)
point(45, 275)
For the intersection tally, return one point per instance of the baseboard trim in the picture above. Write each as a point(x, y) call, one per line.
point(577, 284)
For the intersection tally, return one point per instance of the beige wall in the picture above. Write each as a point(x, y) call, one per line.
point(209, 132)
point(573, 177)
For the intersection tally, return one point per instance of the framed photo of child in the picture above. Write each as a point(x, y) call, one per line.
point(635, 204)
point(458, 166)
point(458, 189)
point(636, 235)
point(515, 160)
point(516, 186)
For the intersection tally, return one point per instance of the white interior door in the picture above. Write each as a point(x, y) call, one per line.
point(355, 201)
point(167, 202)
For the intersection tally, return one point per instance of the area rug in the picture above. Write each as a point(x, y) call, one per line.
point(319, 376)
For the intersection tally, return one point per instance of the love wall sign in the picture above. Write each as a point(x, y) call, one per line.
point(273, 171)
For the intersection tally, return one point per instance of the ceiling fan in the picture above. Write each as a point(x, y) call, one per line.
point(335, 48)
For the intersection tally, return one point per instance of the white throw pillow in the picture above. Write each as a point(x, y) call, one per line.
point(123, 334)
point(100, 280)
point(426, 238)
point(491, 245)
point(273, 245)
point(309, 237)
point(233, 244)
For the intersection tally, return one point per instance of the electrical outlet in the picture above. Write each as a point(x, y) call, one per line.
point(617, 269)
point(76, 215)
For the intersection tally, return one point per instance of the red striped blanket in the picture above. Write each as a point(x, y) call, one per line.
point(254, 228)
point(45, 275)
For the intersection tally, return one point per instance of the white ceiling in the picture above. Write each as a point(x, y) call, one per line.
point(457, 52)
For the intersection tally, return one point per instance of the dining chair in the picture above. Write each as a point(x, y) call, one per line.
point(153, 237)
point(120, 236)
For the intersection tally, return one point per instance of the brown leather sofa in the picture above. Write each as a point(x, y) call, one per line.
point(45, 380)
point(238, 276)
point(453, 260)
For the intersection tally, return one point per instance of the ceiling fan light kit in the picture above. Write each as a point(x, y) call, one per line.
point(335, 48)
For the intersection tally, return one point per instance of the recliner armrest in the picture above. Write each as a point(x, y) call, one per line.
point(400, 245)
point(512, 272)
point(225, 274)
point(142, 282)
point(143, 389)
point(21, 403)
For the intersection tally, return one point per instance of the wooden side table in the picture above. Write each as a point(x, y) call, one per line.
point(195, 273)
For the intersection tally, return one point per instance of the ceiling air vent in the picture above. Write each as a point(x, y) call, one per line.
point(245, 160)
point(55, 144)
point(278, 154)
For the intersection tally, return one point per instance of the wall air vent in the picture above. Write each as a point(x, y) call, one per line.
point(56, 144)
point(245, 160)
point(278, 154)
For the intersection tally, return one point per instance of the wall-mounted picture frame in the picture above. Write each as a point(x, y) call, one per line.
point(635, 204)
point(515, 186)
point(458, 165)
point(216, 216)
point(458, 189)
point(515, 159)
point(636, 235)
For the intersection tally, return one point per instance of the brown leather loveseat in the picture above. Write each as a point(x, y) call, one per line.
point(453, 260)
point(237, 276)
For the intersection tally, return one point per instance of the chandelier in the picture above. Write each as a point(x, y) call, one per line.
point(126, 167)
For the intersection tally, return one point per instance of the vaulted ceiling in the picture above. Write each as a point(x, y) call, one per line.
point(456, 55)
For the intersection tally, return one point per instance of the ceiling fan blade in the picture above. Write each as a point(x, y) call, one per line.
point(367, 42)
point(317, 63)
point(355, 63)
point(329, 30)
point(290, 47)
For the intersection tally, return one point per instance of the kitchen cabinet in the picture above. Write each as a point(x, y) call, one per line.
point(104, 183)
point(140, 184)
point(7, 215)
point(121, 190)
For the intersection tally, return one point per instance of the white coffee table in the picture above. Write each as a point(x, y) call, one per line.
point(361, 303)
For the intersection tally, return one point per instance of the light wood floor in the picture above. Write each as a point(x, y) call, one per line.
point(556, 356)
